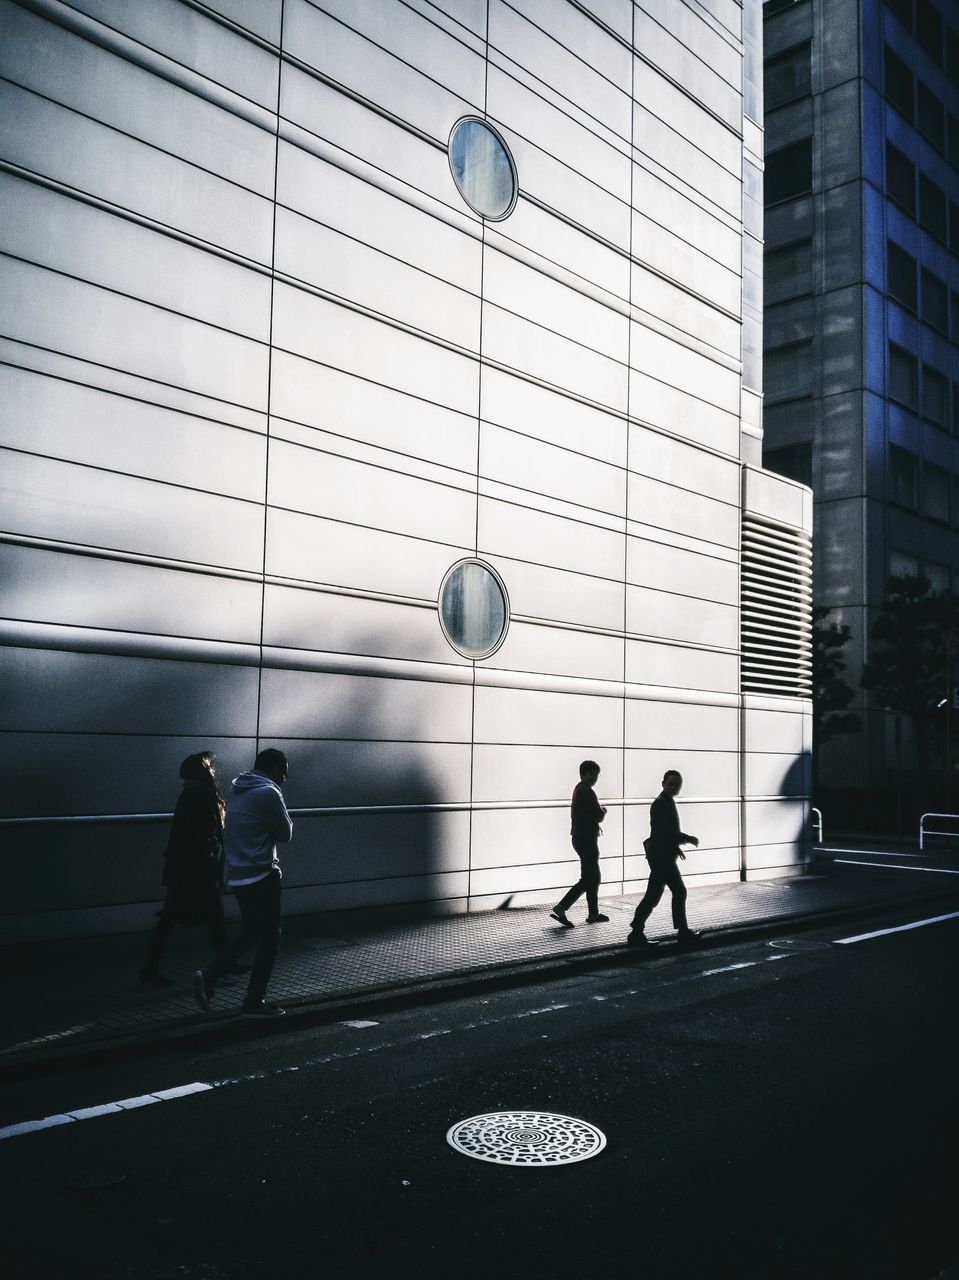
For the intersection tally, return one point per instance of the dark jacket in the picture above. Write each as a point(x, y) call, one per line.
point(194, 856)
point(665, 836)
point(586, 813)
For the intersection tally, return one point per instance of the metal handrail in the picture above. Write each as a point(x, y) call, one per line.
point(928, 831)
point(817, 824)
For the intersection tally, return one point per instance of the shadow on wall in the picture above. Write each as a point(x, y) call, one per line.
point(379, 843)
point(86, 752)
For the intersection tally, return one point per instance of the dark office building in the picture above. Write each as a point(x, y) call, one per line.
point(861, 336)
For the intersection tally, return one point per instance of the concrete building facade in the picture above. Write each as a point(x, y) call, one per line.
point(381, 382)
point(862, 318)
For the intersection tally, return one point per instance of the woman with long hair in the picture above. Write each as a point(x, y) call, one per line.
point(193, 872)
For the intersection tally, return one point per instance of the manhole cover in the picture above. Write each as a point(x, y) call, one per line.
point(526, 1138)
point(799, 944)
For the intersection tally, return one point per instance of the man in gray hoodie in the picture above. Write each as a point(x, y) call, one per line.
point(256, 822)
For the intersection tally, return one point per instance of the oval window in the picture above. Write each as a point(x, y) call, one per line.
point(474, 609)
point(483, 168)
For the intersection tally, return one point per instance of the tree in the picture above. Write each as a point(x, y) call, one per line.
point(907, 668)
point(830, 692)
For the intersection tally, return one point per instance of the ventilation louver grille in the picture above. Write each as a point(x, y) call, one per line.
point(776, 609)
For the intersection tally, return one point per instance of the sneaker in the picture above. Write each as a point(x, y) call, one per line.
point(638, 939)
point(202, 990)
point(598, 918)
point(261, 1009)
point(560, 915)
point(688, 940)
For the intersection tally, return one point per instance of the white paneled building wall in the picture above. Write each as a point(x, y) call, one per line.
point(372, 384)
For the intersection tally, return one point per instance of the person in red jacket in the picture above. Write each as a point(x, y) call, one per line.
point(586, 815)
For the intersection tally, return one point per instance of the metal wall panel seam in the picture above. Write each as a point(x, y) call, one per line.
point(133, 297)
point(320, 588)
point(64, 638)
point(369, 810)
point(509, 247)
point(302, 138)
point(42, 357)
point(158, 64)
point(141, 220)
point(132, 475)
point(637, 53)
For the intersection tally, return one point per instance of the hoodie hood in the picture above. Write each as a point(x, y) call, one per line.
point(250, 780)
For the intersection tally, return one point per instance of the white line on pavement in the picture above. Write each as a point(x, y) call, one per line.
point(745, 964)
point(897, 866)
point(107, 1108)
point(899, 928)
point(200, 1086)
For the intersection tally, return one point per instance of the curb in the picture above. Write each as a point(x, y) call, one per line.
point(228, 1028)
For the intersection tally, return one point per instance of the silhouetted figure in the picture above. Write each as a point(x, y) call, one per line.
point(193, 864)
point(586, 815)
point(256, 822)
point(662, 850)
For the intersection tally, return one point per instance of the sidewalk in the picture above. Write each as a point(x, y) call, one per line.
point(68, 1000)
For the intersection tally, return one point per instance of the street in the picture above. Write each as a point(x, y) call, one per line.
point(781, 1108)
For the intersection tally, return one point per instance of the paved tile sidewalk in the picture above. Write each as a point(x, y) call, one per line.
point(63, 997)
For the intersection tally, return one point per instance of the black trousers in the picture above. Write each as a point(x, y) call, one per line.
point(259, 905)
point(589, 877)
point(663, 873)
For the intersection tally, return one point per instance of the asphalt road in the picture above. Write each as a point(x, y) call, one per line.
point(784, 1109)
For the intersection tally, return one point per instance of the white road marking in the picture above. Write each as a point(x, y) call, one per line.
point(899, 928)
point(896, 866)
point(358, 1023)
point(106, 1108)
point(200, 1086)
point(745, 964)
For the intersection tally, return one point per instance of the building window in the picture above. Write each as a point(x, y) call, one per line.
point(787, 76)
point(483, 169)
point(899, 86)
point(954, 226)
point(788, 372)
point(903, 377)
point(776, 6)
point(935, 301)
point(935, 396)
point(932, 117)
point(473, 609)
point(952, 139)
point(789, 172)
point(900, 275)
point(952, 55)
point(937, 575)
point(903, 477)
point(932, 207)
point(900, 179)
point(794, 462)
point(903, 565)
point(955, 407)
point(954, 315)
point(935, 492)
point(903, 11)
point(929, 30)
point(787, 272)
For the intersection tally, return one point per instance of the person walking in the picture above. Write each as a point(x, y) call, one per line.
point(586, 814)
point(193, 865)
point(662, 850)
point(257, 821)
